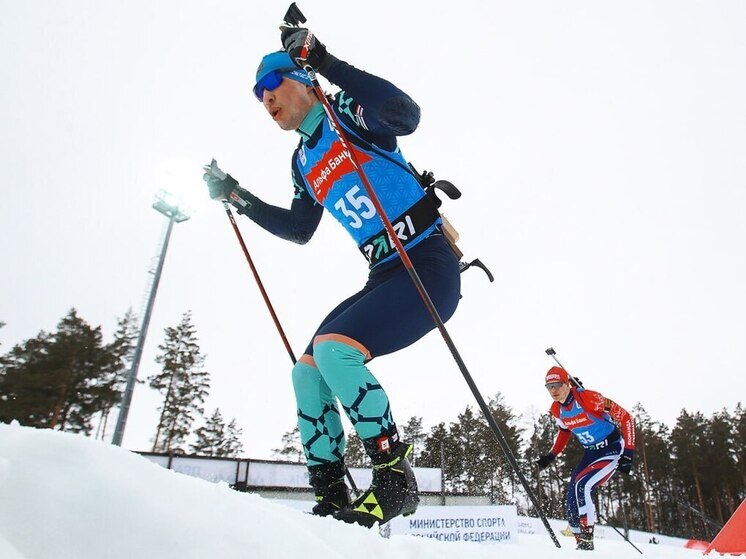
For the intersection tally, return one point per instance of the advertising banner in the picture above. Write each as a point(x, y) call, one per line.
point(480, 524)
point(261, 473)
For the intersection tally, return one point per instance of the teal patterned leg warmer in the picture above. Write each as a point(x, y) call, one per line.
point(318, 416)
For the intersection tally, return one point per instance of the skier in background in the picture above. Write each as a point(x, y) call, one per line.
point(388, 313)
point(590, 417)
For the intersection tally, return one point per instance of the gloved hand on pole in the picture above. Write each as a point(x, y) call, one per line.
point(545, 460)
point(222, 186)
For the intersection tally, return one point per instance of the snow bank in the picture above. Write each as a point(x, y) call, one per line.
point(65, 496)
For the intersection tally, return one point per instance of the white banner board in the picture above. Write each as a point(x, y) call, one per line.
point(272, 474)
point(210, 470)
point(480, 524)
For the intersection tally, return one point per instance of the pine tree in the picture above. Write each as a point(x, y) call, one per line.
point(2, 357)
point(84, 365)
point(440, 451)
point(26, 382)
point(210, 436)
point(112, 385)
point(292, 449)
point(183, 384)
point(686, 443)
point(720, 483)
point(498, 473)
point(355, 455)
point(473, 459)
point(651, 462)
point(215, 438)
point(739, 443)
point(55, 380)
point(549, 489)
point(231, 446)
point(464, 472)
point(437, 449)
point(412, 432)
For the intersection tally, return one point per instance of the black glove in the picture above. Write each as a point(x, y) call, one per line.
point(218, 182)
point(625, 462)
point(545, 460)
point(222, 186)
point(220, 189)
point(294, 38)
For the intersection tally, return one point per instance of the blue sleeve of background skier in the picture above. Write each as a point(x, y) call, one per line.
point(379, 107)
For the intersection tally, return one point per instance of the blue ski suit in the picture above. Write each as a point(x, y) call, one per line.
point(387, 314)
point(590, 417)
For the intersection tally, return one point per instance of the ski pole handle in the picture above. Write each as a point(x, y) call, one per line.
point(294, 16)
point(553, 354)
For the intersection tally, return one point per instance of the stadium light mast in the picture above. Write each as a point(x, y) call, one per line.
point(166, 204)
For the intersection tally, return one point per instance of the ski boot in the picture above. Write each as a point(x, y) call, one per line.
point(393, 491)
point(585, 538)
point(329, 485)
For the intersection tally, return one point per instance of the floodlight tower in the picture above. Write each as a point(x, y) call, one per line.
point(166, 204)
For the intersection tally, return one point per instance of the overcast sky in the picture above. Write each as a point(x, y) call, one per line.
point(599, 147)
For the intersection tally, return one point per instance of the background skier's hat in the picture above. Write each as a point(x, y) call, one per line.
point(557, 374)
point(280, 61)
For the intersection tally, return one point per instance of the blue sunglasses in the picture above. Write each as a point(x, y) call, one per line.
point(270, 82)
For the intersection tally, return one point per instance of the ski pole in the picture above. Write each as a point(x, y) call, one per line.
point(706, 519)
point(603, 519)
point(294, 17)
point(228, 211)
point(600, 516)
point(550, 351)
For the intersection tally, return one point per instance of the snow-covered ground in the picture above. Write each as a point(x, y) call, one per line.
point(65, 496)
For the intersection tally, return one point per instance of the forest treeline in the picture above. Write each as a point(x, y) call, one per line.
point(686, 480)
point(72, 380)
